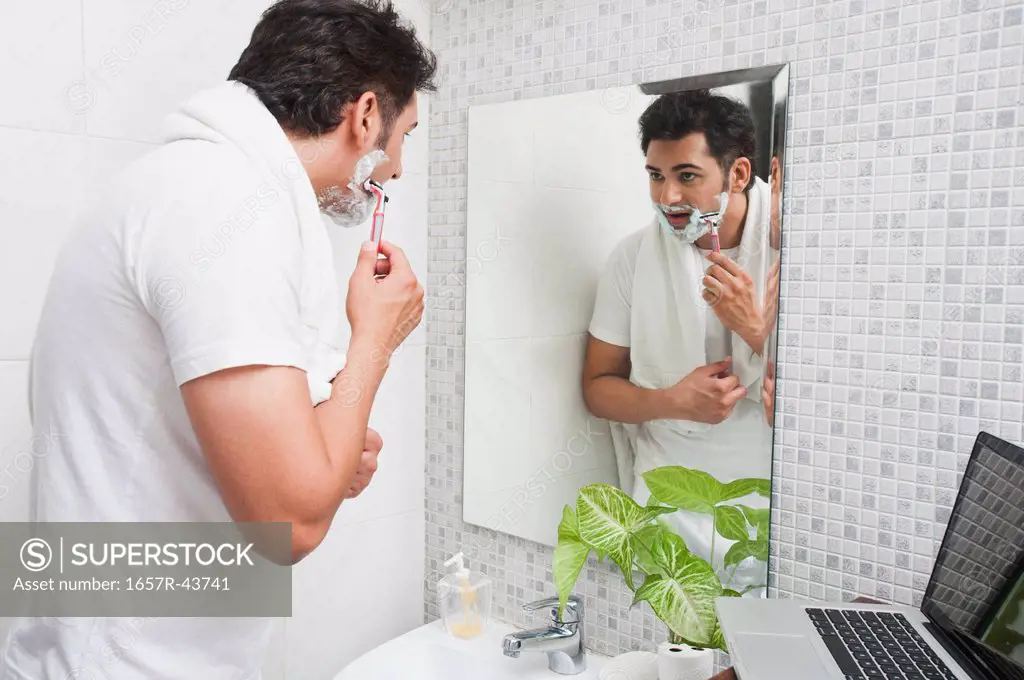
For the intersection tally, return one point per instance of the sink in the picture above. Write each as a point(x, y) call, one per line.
point(428, 653)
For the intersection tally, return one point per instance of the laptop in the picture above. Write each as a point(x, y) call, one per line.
point(971, 622)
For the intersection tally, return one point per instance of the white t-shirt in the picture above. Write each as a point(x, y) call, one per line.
point(740, 446)
point(150, 292)
point(612, 307)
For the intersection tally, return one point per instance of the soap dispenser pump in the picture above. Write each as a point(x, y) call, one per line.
point(463, 599)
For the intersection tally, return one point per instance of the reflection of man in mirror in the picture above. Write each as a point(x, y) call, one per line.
point(675, 357)
point(771, 295)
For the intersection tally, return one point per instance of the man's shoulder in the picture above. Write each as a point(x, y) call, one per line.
point(628, 249)
point(193, 168)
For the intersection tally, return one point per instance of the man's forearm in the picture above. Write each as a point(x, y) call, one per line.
point(616, 398)
point(346, 415)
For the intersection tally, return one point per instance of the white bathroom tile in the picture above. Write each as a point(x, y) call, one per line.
point(499, 261)
point(604, 154)
point(18, 448)
point(181, 45)
point(41, 66)
point(416, 152)
point(361, 587)
point(41, 174)
point(398, 415)
point(499, 148)
point(526, 510)
point(563, 433)
point(497, 416)
point(583, 229)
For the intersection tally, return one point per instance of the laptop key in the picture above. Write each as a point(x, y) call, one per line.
point(842, 656)
point(835, 616)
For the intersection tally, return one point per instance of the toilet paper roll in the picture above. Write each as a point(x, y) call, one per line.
point(680, 662)
point(631, 666)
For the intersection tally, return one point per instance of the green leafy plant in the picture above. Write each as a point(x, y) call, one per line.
point(680, 586)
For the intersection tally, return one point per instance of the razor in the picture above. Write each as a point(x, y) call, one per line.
point(377, 228)
point(712, 219)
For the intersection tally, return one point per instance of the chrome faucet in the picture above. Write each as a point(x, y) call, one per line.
point(562, 641)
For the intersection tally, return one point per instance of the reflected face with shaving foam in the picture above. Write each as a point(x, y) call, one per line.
point(684, 175)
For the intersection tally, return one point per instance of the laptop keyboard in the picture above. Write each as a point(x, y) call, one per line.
point(877, 645)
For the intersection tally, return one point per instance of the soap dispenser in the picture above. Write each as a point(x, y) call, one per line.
point(463, 599)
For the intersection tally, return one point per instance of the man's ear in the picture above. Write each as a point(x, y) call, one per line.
point(776, 171)
point(364, 121)
point(739, 175)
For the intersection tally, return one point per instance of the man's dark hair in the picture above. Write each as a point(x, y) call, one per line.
point(308, 59)
point(725, 123)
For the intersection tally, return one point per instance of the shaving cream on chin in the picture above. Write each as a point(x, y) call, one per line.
point(355, 206)
point(699, 223)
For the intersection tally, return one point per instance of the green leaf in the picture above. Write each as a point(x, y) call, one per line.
point(744, 487)
point(753, 586)
point(755, 517)
point(762, 530)
point(684, 600)
point(730, 523)
point(646, 539)
point(608, 521)
point(731, 593)
point(684, 488)
point(718, 640)
point(570, 555)
point(744, 549)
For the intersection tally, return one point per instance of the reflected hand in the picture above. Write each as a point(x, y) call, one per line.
point(768, 392)
point(770, 313)
point(367, 464)
point(730, 292)
point(707, 395)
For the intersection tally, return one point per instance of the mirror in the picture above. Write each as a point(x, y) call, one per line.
point(603, 336)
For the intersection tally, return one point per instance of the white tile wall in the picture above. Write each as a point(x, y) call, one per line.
point(903, 271)
point(143, 57)
point(86, 85)
point(41, 57)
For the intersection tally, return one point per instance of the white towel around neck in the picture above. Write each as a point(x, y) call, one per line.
point(668, 321)
point(232, 114)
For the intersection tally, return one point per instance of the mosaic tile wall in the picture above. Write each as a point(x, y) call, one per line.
point(903, 271)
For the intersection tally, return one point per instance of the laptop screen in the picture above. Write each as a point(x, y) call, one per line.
point(976, 593)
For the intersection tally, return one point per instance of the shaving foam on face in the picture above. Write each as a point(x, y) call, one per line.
point(355, 206)
point(699, 223)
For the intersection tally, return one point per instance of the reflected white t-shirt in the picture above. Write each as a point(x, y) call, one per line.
point(738, 447)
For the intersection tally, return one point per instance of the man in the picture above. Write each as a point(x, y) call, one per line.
point(677, 335)
point(185, 349)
